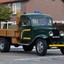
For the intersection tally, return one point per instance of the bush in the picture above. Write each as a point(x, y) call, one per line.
point(5, 13)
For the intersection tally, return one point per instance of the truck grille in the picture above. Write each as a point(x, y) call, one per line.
point(56, 32)
point(56, 37)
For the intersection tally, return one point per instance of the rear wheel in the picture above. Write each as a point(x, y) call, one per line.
point(28, 48)
point(4, 45)
point(41, 47)
point(62, 50)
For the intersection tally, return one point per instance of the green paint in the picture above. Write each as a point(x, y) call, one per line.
point(40, 25)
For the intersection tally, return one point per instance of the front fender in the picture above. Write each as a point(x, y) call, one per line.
point(42, 36)
point(39, 36)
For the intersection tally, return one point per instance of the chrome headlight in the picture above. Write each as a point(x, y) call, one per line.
point(50, 33)
point(61, 33)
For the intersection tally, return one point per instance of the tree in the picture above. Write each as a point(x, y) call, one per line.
point(5, 13)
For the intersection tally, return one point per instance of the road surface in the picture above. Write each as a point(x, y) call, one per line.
point(18, 56)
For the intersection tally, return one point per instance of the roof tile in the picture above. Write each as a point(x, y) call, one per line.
point(6, 0)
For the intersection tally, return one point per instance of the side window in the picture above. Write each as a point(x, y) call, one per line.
point(28, 22)
point(25, 21)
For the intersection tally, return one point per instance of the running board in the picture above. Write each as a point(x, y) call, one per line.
point(56, 45)
point(24, 44)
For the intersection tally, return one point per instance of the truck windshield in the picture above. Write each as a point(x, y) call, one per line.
point(41, 21)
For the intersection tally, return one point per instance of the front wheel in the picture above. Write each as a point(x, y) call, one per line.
point(4, 45)
point(41, 47)
point(62, 50)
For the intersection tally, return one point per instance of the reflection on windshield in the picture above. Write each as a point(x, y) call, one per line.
point(41, 21)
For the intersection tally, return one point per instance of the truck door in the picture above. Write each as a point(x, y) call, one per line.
point(25, 28)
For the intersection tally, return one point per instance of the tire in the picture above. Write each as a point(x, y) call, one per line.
point(41, 47)
point(27, 48)
point(4, 45)
point(62, 50)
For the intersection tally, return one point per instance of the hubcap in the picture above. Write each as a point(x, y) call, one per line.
point(40, 46)
point(1, 45)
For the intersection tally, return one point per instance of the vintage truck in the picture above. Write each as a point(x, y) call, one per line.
point(31, 30)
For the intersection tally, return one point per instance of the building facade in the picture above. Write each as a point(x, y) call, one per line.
point(55, 8)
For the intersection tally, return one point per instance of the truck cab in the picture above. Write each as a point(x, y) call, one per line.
point(33, 26)
point(35, 30)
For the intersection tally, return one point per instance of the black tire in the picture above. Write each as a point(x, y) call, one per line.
point(4, 45)
point(62, 50)
point(27, 48)
point(41, 47)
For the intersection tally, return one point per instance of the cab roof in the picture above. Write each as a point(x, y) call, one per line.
point(36, 15)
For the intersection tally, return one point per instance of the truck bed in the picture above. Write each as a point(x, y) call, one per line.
point(9, 32)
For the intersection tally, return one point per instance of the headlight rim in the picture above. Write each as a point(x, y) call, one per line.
point(61, 33)
point(51, 33)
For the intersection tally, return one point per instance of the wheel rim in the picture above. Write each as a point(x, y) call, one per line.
point(40, 46)
point(1, 45)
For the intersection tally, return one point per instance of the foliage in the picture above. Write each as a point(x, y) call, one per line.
point(5, 13)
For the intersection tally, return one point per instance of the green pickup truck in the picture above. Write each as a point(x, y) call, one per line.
point(38, 30)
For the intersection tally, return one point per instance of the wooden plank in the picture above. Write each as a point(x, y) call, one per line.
point(11, 32)
point(3, 32)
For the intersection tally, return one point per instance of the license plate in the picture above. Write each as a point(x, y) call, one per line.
point(56, 37)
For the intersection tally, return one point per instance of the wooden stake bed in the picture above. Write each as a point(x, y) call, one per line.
point(11, 30)
point(10, 33)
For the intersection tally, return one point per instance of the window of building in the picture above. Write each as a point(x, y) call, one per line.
point(16, 7)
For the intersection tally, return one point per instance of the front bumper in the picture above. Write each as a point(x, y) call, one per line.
point(56, 45)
